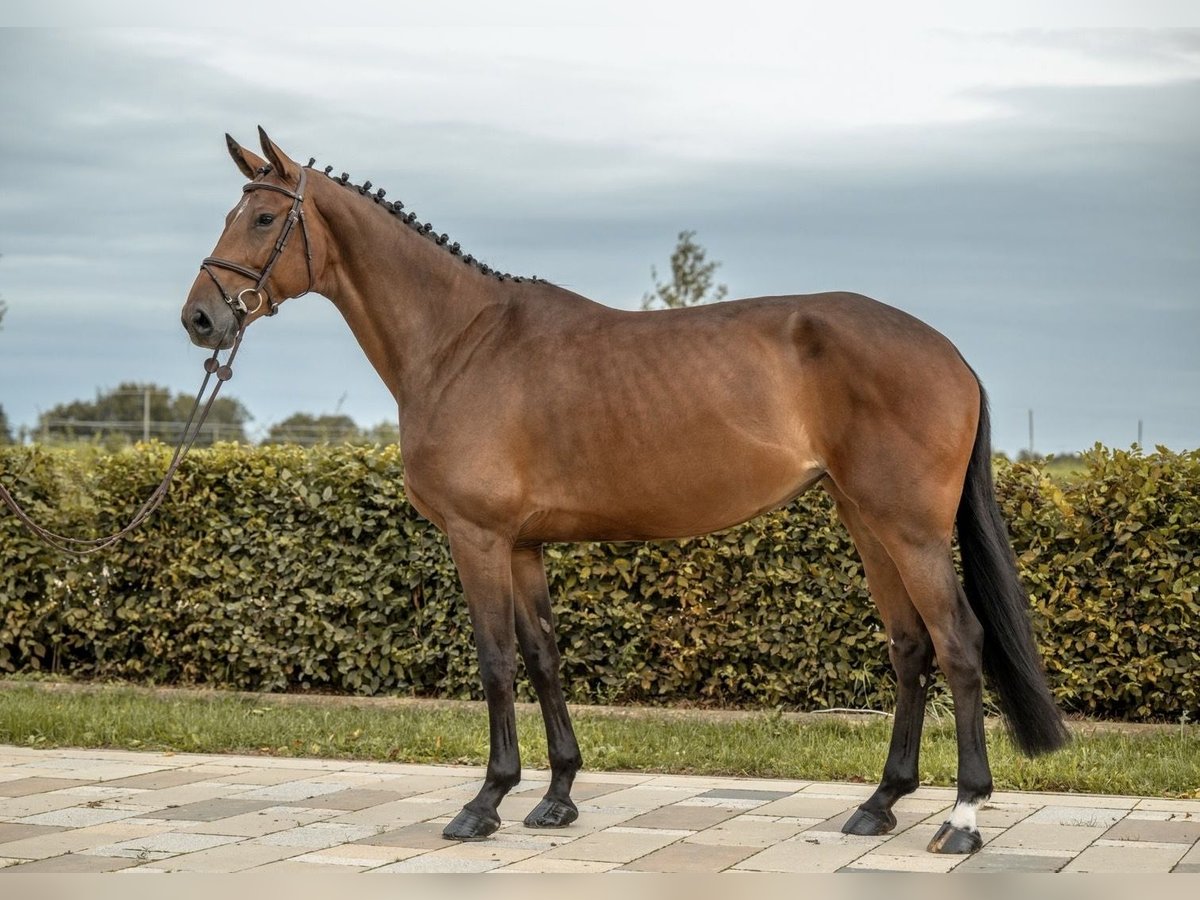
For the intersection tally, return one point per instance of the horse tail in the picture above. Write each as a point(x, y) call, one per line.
point(1010, 657)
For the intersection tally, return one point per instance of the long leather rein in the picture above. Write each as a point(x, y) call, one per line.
point(212, 366)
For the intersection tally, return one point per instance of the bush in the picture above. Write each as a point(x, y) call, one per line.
point(276, 568)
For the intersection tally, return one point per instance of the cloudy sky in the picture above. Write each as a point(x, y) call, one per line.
point(1029, 186)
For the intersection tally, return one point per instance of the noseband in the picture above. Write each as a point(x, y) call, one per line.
point(260, 289)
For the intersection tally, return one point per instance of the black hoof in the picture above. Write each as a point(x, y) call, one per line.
point(950, 839)
point(552, 814)
point(870, 821)
point(471, 826)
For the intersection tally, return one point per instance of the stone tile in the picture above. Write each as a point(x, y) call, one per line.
point(350, 800)
point(1033, 837)
point(746, 794)
point(362, 855)
point(856, 792)
point(34, 804)
point(297, 871)
point(167, 778)
point(317, 835)
point(985, 861)
point(401, 812)
point(70, 863)
point(160, 846)
point(291, 790)
point(810, 851)
point(683, 857)
point(23, 787)
point(1088, 816)
point(1127, 858)
point(263, 822)
point(1094, 801)
point(1193, 855)
point(884, 862)
point(5, 862)
point(749, 831)
point(645, 798)
point(614, 846)
point(540, 864)
point(227, 858)
point(77, 817)
point(1192, 806)
point(185, 794)
point(1187, 869)
point(487, 851)
point(210, 810)
point(688, 818)
point(10, 831)
point(1003, 815)
point(431, 863)
point(578, 791)
point(1168, 832)
point(421, 836)
point(808, 807)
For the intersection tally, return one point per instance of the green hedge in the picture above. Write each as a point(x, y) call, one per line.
point(276, 568)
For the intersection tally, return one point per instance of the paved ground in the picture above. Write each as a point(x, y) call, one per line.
point(102, 811)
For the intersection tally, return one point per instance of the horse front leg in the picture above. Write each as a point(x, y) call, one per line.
point(539, 649)
point(484, 563)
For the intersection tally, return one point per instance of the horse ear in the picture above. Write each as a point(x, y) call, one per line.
point(246, 161)
point(282, 164)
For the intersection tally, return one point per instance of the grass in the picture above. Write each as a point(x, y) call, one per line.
point(1159, 761)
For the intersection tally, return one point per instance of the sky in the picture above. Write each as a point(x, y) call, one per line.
point(1027, 182)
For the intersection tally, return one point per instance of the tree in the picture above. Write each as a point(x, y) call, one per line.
point(131, 410)
point(306, 429)
point(691, 278)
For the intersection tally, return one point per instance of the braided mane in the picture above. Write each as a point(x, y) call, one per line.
point(425, 229)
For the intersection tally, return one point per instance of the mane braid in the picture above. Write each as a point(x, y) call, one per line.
point(425, 229)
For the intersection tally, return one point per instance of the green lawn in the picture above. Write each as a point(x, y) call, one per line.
point(1162, 760)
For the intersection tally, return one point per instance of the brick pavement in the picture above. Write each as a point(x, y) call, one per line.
point(115, 811)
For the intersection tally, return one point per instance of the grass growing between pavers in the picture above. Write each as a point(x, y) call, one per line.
point(1163, 761)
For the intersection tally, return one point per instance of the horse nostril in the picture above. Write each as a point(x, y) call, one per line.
point(201, 323)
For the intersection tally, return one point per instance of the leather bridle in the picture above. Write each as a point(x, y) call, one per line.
point(259, 277)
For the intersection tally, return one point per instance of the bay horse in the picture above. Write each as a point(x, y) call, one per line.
point(529, 414)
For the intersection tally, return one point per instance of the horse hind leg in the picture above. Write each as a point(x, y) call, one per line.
point(535, 636)
point(911, 653)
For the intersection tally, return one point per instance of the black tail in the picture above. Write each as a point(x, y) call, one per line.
point(1010, 657)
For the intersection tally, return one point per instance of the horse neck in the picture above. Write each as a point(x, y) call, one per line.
point(406, 299)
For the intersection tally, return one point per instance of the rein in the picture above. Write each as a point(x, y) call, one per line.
point(212, 366)
point(191, 430)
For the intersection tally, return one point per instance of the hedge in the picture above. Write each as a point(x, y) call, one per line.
point(281, 568)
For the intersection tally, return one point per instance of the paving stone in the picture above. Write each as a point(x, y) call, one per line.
point(810, 851)
point(540, 864)
point(644, 798)
point(291, 790)
point(808, 807)
point(12, 808)
point(361, 855)
point(401, 812)
point(10, 831)
point(746, 794)
point(749, 831)
point(1033, 837)
point(1168, 832)
point(689, 818)
point(160, 846)
point(432, 862)
point(256, 824)
point(317, 835)
point(985, 861)
point(70, 863)
point(614, 846)
point(210, 810)
point(421, 836)
point(22, 787)
point(350, 800)
point(1128, 858)
point(77, 817)
point(227, 858)
point(1187, 869)
point(1088, 816)
point(168, 778)
point(693, 858)
point(883, 862)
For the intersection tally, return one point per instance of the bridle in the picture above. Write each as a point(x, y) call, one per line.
point(212, 366)
point(260, 289)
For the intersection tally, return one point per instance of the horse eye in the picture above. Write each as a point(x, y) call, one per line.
point(266, 218)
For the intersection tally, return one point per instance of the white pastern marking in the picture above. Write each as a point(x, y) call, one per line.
point(963, 815)
point(241, 209)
